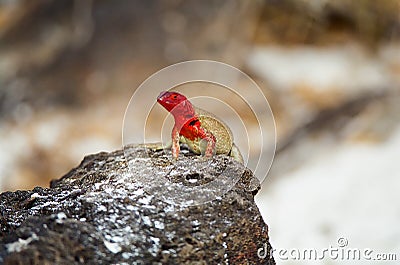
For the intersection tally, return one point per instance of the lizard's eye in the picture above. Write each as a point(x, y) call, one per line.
point(174, 97)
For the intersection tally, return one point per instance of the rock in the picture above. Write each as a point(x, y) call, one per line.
point(112, 209)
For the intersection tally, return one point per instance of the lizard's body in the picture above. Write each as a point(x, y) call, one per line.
point(200, 130)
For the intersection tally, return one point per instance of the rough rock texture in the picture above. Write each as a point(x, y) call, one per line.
point(108, 210)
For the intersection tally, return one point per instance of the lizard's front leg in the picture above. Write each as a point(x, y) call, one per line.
point(175, 142)
point(211, 142)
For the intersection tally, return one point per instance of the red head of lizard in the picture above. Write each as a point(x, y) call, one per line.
point(178, 105)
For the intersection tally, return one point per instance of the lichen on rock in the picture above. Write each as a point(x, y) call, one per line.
point(108, 210)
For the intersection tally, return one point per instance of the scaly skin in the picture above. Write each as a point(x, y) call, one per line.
point(203, 132)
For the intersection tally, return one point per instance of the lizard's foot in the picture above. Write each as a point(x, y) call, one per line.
point(206, 157)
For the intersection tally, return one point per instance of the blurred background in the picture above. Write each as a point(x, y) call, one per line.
point(329, 68)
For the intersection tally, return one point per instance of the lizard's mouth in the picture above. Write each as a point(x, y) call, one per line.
point(162, 95)
point(163, 100)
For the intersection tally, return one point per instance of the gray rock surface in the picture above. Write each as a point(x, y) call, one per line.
point(119, 208)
